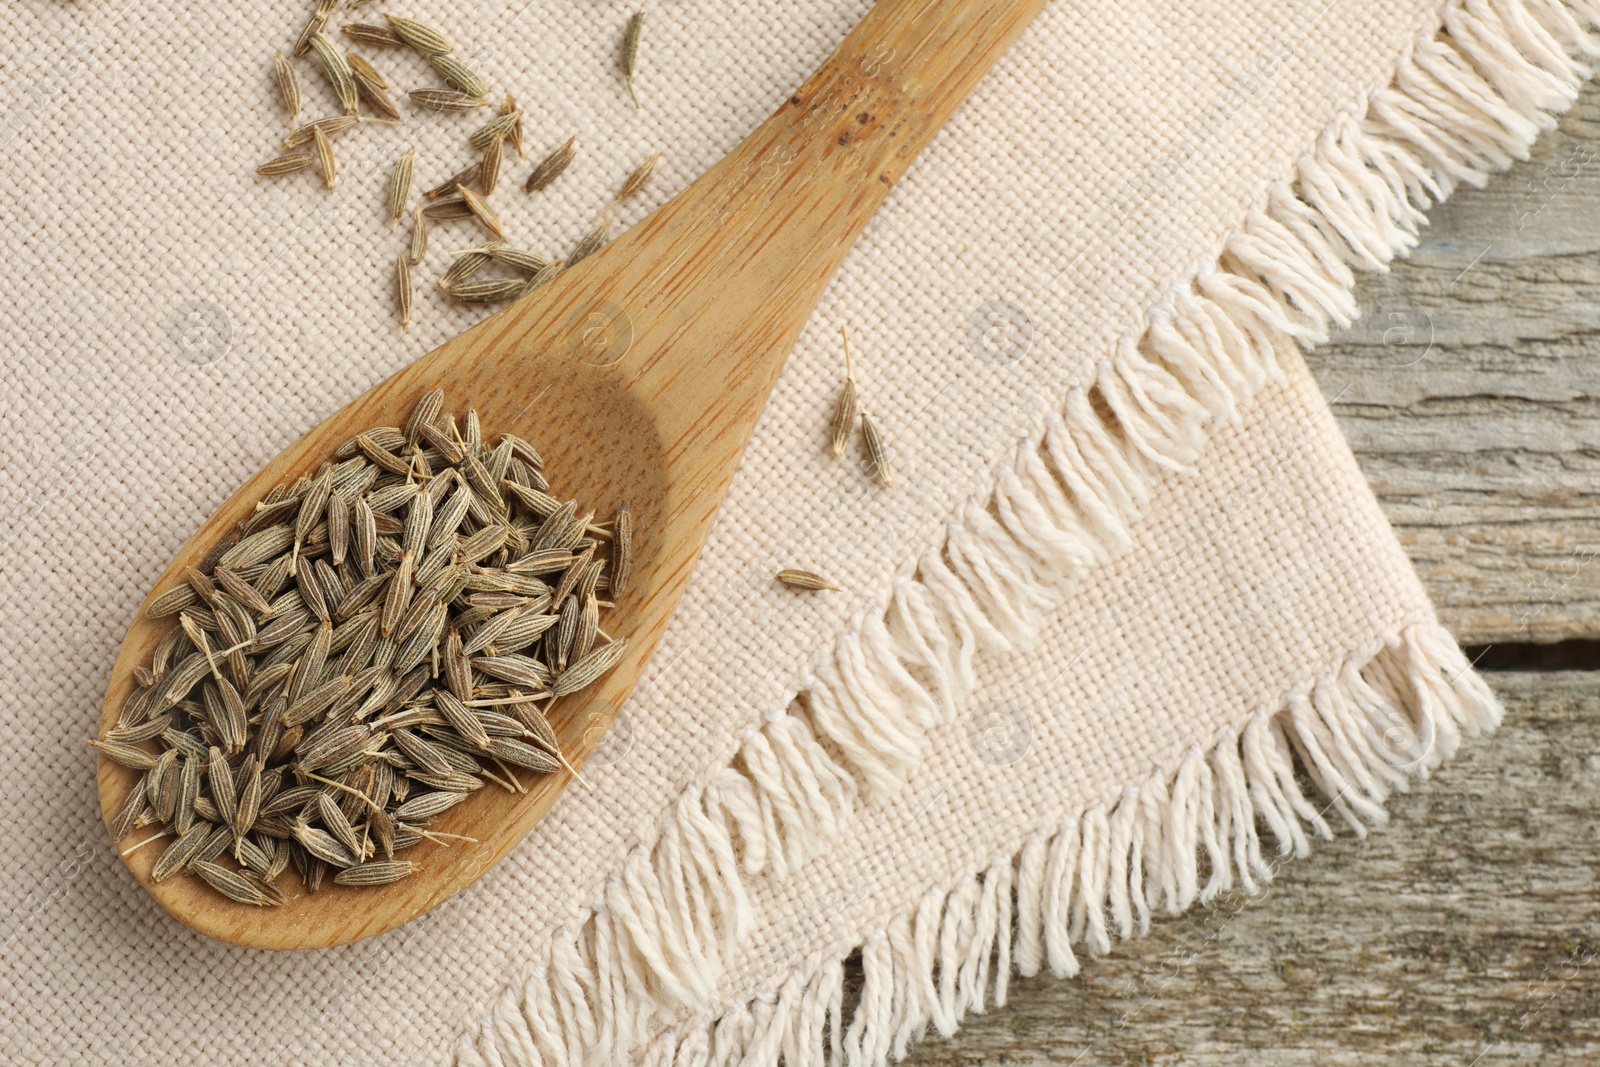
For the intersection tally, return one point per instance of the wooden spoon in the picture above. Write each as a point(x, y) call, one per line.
point(639, 376)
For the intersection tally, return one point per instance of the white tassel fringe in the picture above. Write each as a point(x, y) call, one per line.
point(649, 953)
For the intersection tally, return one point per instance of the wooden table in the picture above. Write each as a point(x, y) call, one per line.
point(1469, 932)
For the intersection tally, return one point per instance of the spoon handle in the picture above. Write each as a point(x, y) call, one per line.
point(780, 212)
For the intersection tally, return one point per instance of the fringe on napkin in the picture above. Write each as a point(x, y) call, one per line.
point(1463, 104)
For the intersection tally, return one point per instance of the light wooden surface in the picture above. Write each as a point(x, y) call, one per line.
point(1484, 445)
point(1469, 932)
point(639, 376)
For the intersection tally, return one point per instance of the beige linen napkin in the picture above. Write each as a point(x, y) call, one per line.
point(1128, 623)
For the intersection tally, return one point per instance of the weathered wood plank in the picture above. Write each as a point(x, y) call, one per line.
point(1467, 933)
point(1470, 393)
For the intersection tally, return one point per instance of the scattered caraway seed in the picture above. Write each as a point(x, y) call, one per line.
point(325, 161)
point(591, 242)
point(489, 170)
point(876, 451)
point(466, 176)
point(453, 208)
point(490, 290)
point(288, 86)
point(621, 550)
point(419, 37)
point(844, 411)
point(286, 164)
point(466, 265)
point(482, 211)
point(638, 179)
point(402, 281)
point(313, 26)
point(445, 100)
point(515, 258)
point(419, 236)
point(377, 36)
point(496, 130)
point(630, 52)
point(458, 75)
point(338, 71)
point(364, 71)
point(400, 186)
point(804, 580)
point(331, 748)
point(545, 274)
point(374, 88)
point(381, 103)
point(550, 168)
point(329, 126)
point(509, 108)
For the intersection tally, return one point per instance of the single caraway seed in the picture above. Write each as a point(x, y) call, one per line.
point(804, 579)
point(490, 290)
point(517, 258)
point(314, 25)
point(496, 130)
point(288, 85)
point(551, 166)
point(338, 534)
point(377, 36)
point(331, 126)
point(404, 289)
point(466, 265)
point(171, 602)
point(338, 71)
point(588, 669)
point(482, 211)
point(630, 52)
point(489, 172)
point(515, 135)
point(419, 37)
point(325, 161)
point(458, 75)
point(590, 242)
point(621, 550)
point(400, 186)
point(877, 452)
point(446, 100)
point(844, 411)
point(419, 236)
point(465, 176)
point(378, 646)
point(180, 851)
point(287, 163)
point(365, 72)
point(378, 872)
point(125, 754)
point(236, 884)
point(381, 102)
point(546, 274)
point(640, 177)
point(451, 208)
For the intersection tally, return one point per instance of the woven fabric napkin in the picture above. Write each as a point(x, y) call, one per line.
point(1128, 626)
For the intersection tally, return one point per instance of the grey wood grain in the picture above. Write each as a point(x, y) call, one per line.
point(1470, 392)
point(1466, 933)
point(1469, 932)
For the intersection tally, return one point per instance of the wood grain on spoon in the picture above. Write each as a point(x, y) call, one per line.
point(639, 376)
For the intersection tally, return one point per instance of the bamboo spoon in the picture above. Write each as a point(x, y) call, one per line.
point(639, 375)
